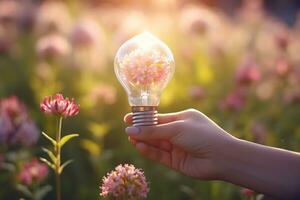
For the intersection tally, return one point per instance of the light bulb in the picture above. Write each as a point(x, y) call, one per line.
point(144, 65)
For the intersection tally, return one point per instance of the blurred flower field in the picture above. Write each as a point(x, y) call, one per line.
point(243, 71)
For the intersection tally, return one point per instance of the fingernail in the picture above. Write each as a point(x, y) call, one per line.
point(132, 130)
point(124, 118)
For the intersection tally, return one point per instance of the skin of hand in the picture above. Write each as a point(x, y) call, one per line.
point(191, 143)
point(186, 141)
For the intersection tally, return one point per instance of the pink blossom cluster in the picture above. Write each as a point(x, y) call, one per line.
point(52, 45)
point(145, 67)
point(86, 33)
point(196, 92)
point(283, 67)
point(9, 10)
point(104, 93)
point(248, 72)
point(32, 172)
point(58, 105)
point(234, 101)
point(125, 181)
point(16, 128)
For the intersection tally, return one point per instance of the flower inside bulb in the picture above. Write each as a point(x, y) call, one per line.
point(144, 65)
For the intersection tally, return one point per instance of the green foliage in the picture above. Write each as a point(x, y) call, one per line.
point(51, 165)
point(50, 139)
point(38, 195)
point(53, 162)
point(66, 139)
point(61, 168)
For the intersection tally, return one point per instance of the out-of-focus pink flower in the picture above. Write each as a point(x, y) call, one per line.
point(27, 134)
point(52, 46)
point(282, 40)
point(87, 39)
point(234, 101)
point(292, 97)
point(145, 67)
point(52, 16)
point(27, 16)
point(132, 23)
point(16, 128)
point(13, 107)
point(197, 20)
point(196, 92)
point(125, 181)
point(86, 33)
point(104, 93)
point(248, 193)
point(32, 172)
point(252, 11)
point(110, 17)
point(9, 11)
point(282, 67)
point(6, 128)
point(58, 105)
point(247, 72)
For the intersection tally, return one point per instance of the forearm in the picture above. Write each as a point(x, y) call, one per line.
point(267, 170)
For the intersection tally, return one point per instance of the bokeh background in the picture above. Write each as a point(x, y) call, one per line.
point(236, 61)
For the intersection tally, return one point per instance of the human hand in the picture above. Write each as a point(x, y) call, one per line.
point(194, 145)
point(186, 141)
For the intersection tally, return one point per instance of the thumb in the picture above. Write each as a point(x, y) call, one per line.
point(162, 131)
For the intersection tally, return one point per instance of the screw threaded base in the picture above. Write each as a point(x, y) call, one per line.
point(144, 115)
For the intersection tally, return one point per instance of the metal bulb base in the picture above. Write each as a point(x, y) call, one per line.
point(144, 115)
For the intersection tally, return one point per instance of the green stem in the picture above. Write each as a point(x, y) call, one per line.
point(58, 161)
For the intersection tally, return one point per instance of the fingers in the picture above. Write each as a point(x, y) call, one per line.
point(132, 140)
point(161, 144)
point(165, 145)
point(154, 153)
point(162, 118)
point(158, 132)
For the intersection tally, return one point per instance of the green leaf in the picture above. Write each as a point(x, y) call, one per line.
point(66, 139)
point(24, 189)
point(61, 168)
point(50, 154)
point(8, 166)
point(260, 197)
point(41, 192)
point(49, 138)
point(51, 165)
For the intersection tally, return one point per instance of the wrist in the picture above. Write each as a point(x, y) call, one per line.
point(226, 158)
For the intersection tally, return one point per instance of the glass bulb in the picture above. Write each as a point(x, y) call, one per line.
point(144, 65)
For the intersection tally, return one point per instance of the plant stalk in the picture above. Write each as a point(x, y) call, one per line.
point(58, 161)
